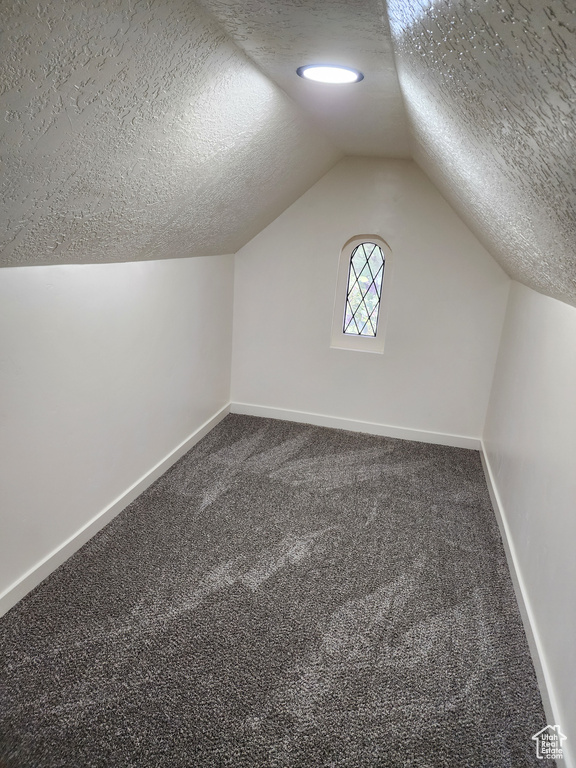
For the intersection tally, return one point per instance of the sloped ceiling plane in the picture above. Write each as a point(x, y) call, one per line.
point(162, 128)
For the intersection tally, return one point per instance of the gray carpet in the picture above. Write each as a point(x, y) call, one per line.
point(284, 596)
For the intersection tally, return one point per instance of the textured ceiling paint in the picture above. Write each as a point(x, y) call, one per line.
point(367, 118)
point(490, 90)
point(136, 129)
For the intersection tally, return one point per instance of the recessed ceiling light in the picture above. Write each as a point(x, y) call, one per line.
point(329, 73)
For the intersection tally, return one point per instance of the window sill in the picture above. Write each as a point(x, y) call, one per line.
point(374, 345)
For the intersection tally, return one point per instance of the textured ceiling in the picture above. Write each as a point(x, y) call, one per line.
point(139, 129)
point(367, 118)
point(136, 129)
point(490, 90)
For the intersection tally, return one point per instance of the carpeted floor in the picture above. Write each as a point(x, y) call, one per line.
point(284, 596)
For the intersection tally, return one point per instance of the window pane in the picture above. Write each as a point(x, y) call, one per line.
point(364, 290)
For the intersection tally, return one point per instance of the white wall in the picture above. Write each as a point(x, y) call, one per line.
point(530, 445)
point(105, 370)
point(445, 318)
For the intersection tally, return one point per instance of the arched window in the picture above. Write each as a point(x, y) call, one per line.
point(362, 290)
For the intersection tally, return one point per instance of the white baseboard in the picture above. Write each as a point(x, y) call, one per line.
point(353, 425)
point(16, 591)
point(47, 565)
point(536, 651)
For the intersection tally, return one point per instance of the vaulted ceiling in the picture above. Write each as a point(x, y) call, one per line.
point(280, 35)
point(490, 91)
point(143, 129)
point(136, 129)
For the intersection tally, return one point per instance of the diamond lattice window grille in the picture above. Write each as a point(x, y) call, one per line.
point(364, 290)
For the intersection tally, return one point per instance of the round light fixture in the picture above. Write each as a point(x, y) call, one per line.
point(329, 73)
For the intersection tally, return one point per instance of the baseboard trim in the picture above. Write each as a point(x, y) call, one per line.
point(16, 591)
point(536, 651)
point(353, 425)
